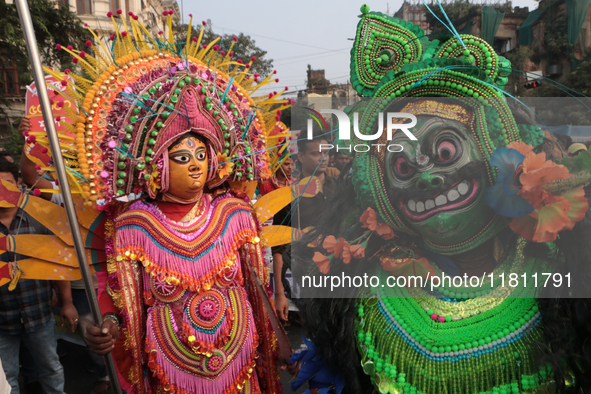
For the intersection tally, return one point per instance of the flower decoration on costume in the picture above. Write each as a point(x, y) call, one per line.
point(340, 248)
point(154, 182)
point(369, 219)
point(225, 165)
point(358, 251)
point(323, 262)
point(370, 222)
point(541, 196)
point(355, 249)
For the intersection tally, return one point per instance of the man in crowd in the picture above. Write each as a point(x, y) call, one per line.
point(313, 162)
point(304, 212)
point(25, 311)
point(31, 176)
point(4, 155)
point(341, 160)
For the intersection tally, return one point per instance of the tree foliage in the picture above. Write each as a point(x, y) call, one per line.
point(556, 36)
point(455, 10)
point(578, 80)
point(518, 57)
point(53, 23)
point(14, 144)
point(244, 48)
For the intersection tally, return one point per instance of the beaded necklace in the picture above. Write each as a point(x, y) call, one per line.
point(483, 345)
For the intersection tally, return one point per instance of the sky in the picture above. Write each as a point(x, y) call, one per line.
point(295, 33)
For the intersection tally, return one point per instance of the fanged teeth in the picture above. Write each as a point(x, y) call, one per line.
point(412, 205)
point(420, 206)
point(463, 188)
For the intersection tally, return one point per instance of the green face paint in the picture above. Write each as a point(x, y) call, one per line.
point(437, 183)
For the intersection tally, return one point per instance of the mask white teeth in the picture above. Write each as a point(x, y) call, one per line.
point(453, 195)
point(463, 188)
point(440, 200)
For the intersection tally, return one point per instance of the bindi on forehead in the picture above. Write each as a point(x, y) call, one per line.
point(189, 142)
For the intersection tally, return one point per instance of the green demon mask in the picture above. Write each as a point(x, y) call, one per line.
point(437, 183)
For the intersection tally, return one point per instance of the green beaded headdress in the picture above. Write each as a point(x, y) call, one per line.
point(392, 59)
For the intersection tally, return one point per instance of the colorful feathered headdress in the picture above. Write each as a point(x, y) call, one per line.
point(139, 93)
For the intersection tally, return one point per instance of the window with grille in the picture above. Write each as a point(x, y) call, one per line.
point(9, 85)
point(84, 7)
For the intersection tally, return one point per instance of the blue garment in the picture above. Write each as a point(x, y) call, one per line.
point(314, 371)
point(42, 344)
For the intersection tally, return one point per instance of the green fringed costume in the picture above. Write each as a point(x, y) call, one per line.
point(443, 198)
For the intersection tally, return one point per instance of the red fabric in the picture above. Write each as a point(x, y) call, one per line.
point(173, 210)
point(105, 301)
point(267, 187)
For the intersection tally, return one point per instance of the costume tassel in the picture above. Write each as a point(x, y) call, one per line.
point(135, 37)
point(147, 33)
point(14, 280)
point(119, 47)
point(100, 56)
point(225, 66)
point(266, 81)
point(80, 59)
point(240, 74)
point(170, 33)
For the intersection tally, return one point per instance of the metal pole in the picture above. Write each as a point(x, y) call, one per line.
point(60, 169)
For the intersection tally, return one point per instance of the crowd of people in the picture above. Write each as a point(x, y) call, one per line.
point(183, 185)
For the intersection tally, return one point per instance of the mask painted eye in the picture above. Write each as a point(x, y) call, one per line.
point(446, 151)
point(201, 156)
point(182, 159)
point(403, 169)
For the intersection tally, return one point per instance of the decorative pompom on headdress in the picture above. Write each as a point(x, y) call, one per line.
point(140, 96)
